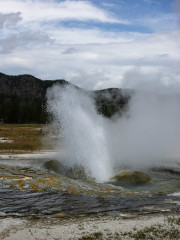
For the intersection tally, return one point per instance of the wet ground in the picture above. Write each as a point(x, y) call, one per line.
point(27, 189)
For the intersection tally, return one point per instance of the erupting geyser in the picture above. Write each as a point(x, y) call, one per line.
point(82, 131)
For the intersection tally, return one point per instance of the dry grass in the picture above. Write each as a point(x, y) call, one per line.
point(25, 137)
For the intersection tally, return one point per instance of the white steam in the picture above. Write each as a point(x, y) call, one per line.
point(147, 135)
point(82, 131)
point(150, 135)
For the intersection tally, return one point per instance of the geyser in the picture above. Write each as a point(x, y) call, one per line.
point(82, 131)
point(147, 135)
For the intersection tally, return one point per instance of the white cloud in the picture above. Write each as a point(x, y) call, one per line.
point(33, 41)
point(160, 79)
point(62, 11)
point(100, 65)
point(64, 35)
point(109, 62)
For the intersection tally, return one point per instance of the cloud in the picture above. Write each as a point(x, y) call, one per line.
point(65, 36)
point(96, 66)
point(90, 80)
point(24, 40)
point(153, 59)
point(9, 19)
point(62, 11)
point(91, 55)
point(159, 80)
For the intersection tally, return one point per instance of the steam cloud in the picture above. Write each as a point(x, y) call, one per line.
point(82, 131)
point(147, 135)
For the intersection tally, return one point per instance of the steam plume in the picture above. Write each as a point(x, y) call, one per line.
point(147, 135)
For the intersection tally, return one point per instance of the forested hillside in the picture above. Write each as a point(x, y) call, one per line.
point(23, 99)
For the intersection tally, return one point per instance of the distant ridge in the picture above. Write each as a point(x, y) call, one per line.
point(23, 99)
point(25, 84)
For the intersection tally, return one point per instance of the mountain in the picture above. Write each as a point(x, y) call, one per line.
point(23, 99)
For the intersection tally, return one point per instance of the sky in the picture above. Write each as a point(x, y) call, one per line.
point(94, 44)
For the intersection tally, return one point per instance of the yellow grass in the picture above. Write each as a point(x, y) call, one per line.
point(25, 137)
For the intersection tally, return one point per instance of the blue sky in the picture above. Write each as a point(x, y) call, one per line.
point(137, 13)
point(94, 44)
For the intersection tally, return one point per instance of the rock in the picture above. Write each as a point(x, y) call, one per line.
point(78, 172)
point(55, 166)
point(131, 177)
point(171, 170)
